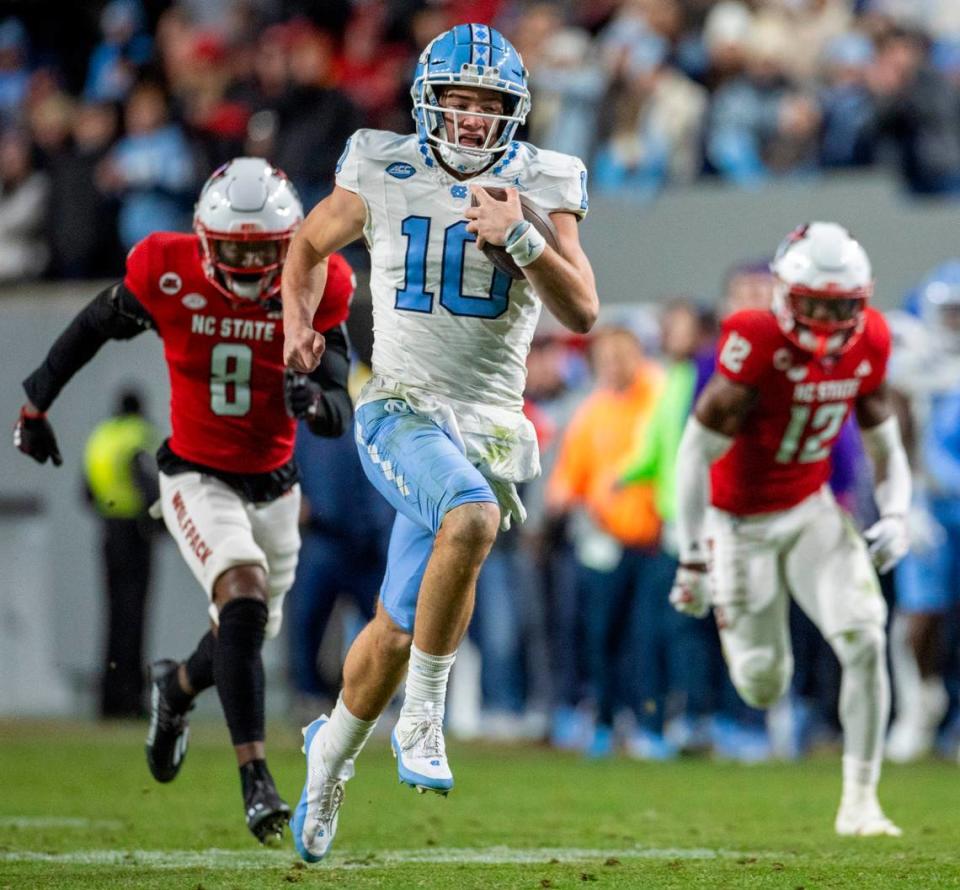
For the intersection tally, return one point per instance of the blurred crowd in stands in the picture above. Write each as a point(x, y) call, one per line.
point(112, 113)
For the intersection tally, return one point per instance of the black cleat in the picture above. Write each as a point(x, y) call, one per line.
point(169, 730)
point(266, 812)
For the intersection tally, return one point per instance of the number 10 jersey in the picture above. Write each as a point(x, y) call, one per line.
point(444, 319)
point(782, 453)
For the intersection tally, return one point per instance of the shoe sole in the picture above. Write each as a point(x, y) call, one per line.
point(421, 784)
point(268, 829)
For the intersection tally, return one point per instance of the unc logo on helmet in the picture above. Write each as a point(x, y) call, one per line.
point(824, 281)
point(245, 217)
point(475, 56)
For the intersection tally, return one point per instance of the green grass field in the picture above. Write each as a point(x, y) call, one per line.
point(79, 810)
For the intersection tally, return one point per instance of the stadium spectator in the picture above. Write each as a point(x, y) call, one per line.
point(24, 193)
point(688, 335)
point(82, 219)
point(315, 118)
point(126, 47)
point(623, 577)
point(919, 112)
point(556, 385)
point(658, 123)
point(569, 83)
point(14, 71)
point(848, 133)
point(759, 123)
point(120, 474)
point(150, 170)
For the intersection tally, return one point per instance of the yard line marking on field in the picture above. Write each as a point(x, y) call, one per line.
point(242, 859)
point(59, 822)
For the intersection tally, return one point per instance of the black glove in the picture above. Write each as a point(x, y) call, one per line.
point(303, 398)
point(33, 435)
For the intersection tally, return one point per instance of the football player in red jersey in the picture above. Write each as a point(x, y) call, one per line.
point(764, 426)
point(228, 483)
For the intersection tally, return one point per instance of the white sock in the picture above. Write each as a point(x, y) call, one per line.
point(864, 709)
point(344, 737)
point(860, 777)
point(426, 686)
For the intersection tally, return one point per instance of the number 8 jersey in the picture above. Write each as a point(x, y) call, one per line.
point(782, 452)
point(444, 319)
point(225, 359)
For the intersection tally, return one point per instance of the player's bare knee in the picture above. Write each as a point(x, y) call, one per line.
point(241, 582)
point(762, 676)
point(471, 528)
point(392, 641)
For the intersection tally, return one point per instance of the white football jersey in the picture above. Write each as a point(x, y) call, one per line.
point(444, 319)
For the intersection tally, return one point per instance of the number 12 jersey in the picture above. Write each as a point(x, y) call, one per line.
point(781, 454)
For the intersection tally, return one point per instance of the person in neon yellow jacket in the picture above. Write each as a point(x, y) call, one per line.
point(121, 481)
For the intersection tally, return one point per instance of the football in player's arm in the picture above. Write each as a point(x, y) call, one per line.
point(755, 518)
point(228, 483)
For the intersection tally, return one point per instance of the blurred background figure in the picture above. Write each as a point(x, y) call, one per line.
point(344, 529)
point(120, 474)
point(125, 47)
point(926, 372)
point(24, 193)
point(150, 170)
point(623, 576)
point(657, 132)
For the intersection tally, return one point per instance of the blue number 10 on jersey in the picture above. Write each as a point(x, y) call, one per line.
point(413, 296)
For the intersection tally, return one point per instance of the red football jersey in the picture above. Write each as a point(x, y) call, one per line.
point(225, 362)
point(782, 453)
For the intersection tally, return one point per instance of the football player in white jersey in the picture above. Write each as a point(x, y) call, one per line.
point(440, 427)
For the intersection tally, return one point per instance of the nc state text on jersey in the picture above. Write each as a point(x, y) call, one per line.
point(826, 390)
point(235, 328)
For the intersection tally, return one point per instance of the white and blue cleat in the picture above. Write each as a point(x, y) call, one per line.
point(314, 823)
point(420, 751)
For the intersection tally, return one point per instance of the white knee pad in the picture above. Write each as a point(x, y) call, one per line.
point(761, 675)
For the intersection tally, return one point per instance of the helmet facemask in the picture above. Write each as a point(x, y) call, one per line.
point(469, 57)
point(245, 267)
point(822, 321)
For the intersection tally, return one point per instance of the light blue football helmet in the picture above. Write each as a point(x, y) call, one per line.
point(469, 56)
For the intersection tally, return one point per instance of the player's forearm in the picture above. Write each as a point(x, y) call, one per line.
point(893, 485)
point(568, 292)
point(700, 446)
point(106, 317)
point(304, 278)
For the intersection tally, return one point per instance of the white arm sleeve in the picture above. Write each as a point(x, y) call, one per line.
point(892, 488)
point(700, 446)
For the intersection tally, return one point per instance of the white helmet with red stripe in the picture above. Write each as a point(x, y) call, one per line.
point(246, 214)
point(824, 281)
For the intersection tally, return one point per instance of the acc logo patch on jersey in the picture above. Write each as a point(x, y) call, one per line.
point(863, 369)
point(401, 170)
point(170, 282)
point(194, 301)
